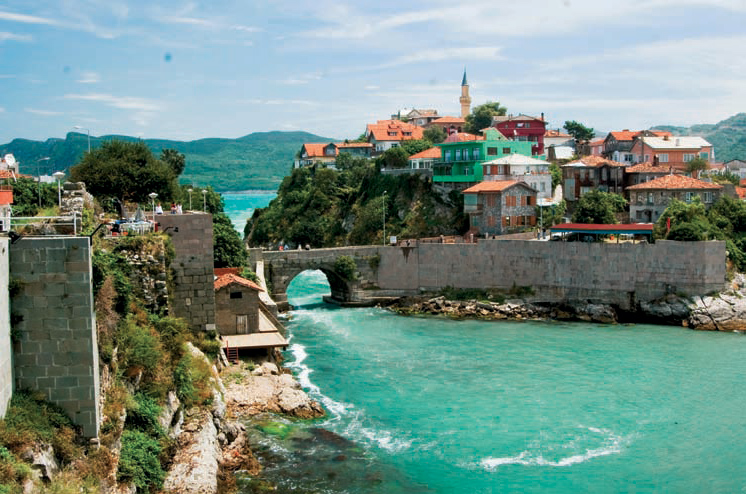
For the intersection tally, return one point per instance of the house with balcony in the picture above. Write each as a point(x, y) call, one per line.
point(518, 167)
point(648, 200)
point(645, 172)
point(591, 173)
point(462, 155)
point(315, 153)
point(617, 145)
point(523, 128)
point(387, 134)
point(355, 149)
point(672, 151)
point(424, 160)
point(495, 208)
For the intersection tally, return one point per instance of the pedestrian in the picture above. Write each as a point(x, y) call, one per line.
point(179, 210)
point(173, 208)
point(159, 209)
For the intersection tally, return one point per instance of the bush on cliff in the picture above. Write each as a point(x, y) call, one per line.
point(139, 462)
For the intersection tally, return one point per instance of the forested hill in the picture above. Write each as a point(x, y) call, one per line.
point(255, 161)
point(728, 136)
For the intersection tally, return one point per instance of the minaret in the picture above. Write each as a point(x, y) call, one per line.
point(465, 99)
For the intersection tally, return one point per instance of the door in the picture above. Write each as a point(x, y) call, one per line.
point(242, 324)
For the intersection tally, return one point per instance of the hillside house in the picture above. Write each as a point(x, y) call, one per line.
point(355, 149)
point(645, 172)
point(673, 151)
point(421, 118)
point(596, 147)
point(618, 144)
point(523, 128)
point(424, 160)
point(314, 153)
point(558, 138)
point(648, 200)
point(463, 154)
point(451, 125)
point(532, 171)
point(591, 173)
point(236, 305)
point(736, 167)
point(387, 134)
point(499, 207)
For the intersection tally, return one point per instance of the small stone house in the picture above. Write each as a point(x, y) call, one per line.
point(236, 305)
point(499, 207)
point(648, 200)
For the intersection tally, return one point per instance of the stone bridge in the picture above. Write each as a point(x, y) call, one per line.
point(280, 267)
point(617, 274)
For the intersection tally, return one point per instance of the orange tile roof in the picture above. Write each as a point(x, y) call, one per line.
point(463, 137)
point(743, 182)
point(597, 142)
point(594, 161)
point(493, 186)
point(741, 191)
point(7, 174)
point(449, 120)
point(221, 271)
point(433, 152)
point(380, 131)
point(316, 149)
point(230, 278)
point(556, 133)
point(628, 135)
point(648, 168)
point(675, 182)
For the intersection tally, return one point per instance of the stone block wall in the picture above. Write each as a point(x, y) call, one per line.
point(6, 358)
point(57, 351)
point(194, 287)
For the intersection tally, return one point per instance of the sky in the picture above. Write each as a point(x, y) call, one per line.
point(227, 68)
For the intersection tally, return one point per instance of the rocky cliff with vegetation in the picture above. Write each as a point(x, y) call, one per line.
point(324, 208)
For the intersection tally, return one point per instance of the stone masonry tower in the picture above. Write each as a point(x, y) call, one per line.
point(465, 99)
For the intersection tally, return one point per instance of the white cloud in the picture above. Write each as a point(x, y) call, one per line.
point(43, 113)
point(122, 102)
point(371, 87)
point(6, 36)
point(89, 78)
point(301, 79)
point(27, 19)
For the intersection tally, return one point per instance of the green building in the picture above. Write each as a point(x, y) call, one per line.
point(462, 156)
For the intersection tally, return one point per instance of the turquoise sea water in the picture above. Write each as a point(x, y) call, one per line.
point(239, 206)
point(439, 406)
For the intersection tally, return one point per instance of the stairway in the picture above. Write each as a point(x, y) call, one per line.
point(232, 354)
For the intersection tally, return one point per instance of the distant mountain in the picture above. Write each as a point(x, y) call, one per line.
point(728, 136)
point(256, 161)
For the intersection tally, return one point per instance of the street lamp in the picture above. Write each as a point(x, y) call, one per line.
point(152, 196)
point(38, 174)
point(190, 197)
point(58, 176)
point(384, 217)
point(204, 200)
point(88, 131)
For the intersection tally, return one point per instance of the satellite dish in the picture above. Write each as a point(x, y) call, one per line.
point(10, 160)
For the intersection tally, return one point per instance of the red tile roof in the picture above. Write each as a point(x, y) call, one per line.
point(593, 161)
point(354, 145)
point(556, 133)
point(628, 135)
point(449, 120)
point(743, 182)
point(741, 191)
point(675, 182)
point(380, 131)
point(463, 137)
point(493, 186)
point(7, 174)
point(650, 168)
point(221, 271)
point(230, 278)
point(432, 153)
point(316, 149)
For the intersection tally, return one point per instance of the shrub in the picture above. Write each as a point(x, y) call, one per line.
point(139, 345)
point(192, 378)
point(346, 268)
point(138, 462)
point(143, 416)
point(11, 470)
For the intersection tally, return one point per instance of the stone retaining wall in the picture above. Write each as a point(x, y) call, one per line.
point(6, 358)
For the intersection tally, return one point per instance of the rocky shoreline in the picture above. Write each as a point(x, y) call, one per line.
point(724, 311)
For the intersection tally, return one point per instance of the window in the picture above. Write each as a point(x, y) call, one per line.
point(506, 150)
point(491, 151)
point(520, 125)
point(650, 198)
point(689, 196)
point(236, 295)
point(628, 158)
point(394, 145)
point(447, 156)
point(663, 158)
point(392, 134)
point(475, 154)
point(458, 155)
point(688, 157)
point(543, 187)
point(708, 197)
point(705, 155)
point(406, 133)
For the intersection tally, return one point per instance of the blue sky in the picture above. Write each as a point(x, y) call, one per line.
point(187, 70)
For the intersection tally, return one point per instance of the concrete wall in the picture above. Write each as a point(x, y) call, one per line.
point(605, 273)
point(57, 352)
point(194, 291)
point(6, 358)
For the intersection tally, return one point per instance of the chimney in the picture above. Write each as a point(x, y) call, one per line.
point(542, 116)
point(678, 142)
point(625, 130)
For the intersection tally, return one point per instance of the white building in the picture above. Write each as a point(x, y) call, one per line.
point(534, 172)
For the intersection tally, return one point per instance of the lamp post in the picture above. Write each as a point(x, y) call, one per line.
point(58, 176)
point(88, 131)
point(384, 217)
point(204, 200)
point(152, 196)
point(38, 174)
point(190, 190)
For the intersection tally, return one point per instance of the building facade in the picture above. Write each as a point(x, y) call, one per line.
point(591, 173)
point(648, 200)
point(500, 207)
point(387, 134)
point(236, 305)
point(672, 151)
point(532, 171)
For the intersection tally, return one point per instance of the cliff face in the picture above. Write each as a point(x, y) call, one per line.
point(325, 208)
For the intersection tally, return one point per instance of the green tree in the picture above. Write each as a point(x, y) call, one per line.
point(481, 116)
point(174, 159)
point(228, 249)
point(127, 171)
point(697, 165)
point(415, 146)
point(27, 194)
point(598, 207)
point(556, 172)
point(435, 134)
point(394, 158)
point(580, 132)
